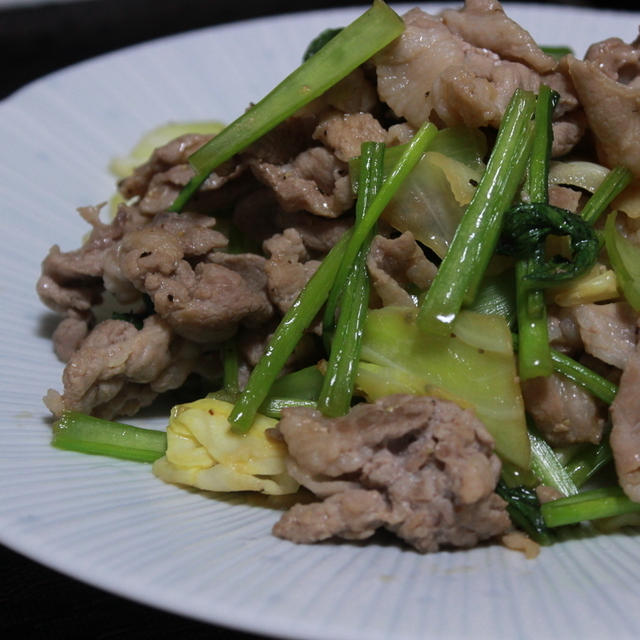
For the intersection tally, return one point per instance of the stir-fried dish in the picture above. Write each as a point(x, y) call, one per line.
point(404, 286)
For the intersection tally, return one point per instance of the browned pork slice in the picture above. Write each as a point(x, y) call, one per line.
point(69, 333)
point(608, 85)
point(408, 68)
point(170, 237)
point(344, 133)
point(314, 181)
point(118, 369)
point(73, 279)
point(608, 331)
point(617, 59)
point(302, 177)
point(158, 181)
point(484, 24)
point(564, 335)
point(625, 432)
point(318, 234)
point(564, 197)
point(393, 264)
point(432, 72)
point(419, 466)
point(204, 303)
point(288, 268)
point(563, 411)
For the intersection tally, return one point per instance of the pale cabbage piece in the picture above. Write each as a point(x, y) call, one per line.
point(397, 357)
point(577, 173)
point(203, 452)
point(598, 285)
point(431, 200)
point(588, 176)
point(123, 166)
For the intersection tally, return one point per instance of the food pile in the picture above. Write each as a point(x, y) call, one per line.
point(414, 292)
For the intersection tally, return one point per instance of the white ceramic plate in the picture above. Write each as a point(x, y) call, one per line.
point(113, 524)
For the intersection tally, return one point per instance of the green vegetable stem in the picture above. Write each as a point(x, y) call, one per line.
point(343, 53)
point(614, 183)
point(477, 235)
point(339, 380)
point(588, 505)
point(577, 372)
point(407, 161)
point(525, 512)
point(547, 467)
point(286, 337)
point(75, 431)
point(534, 358)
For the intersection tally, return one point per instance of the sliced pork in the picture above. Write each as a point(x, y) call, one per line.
point(607, 83)
point(625, 431)
point(563, 411)
point(119, 369)
point(418, 466)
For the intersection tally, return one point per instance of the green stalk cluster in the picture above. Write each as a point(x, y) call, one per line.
point(477, 235)
point(286, 337)
point(534, 358)
point(353, 296)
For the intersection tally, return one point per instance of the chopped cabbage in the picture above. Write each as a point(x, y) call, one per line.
point(598, 285)
point(397, 357)
point(124, 166)
point(625, 260)
point(577, 173)
point(203, 452)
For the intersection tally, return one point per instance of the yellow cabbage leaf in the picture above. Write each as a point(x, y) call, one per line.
point(203, 452)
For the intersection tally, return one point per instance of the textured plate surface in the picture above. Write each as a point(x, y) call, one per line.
point(114, 525)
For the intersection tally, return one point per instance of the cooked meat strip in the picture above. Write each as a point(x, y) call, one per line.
point(564, 197)
point(607, 83)
point(625, 431)
point(617, 59)
point(195, 232)
point(432, 73)
point(564, 335)
point(168, 238)
point(314, 181)
point(175, 153)
point(418, 466)
point(282, 144)
point(69, 333)
point(288, 268)
point(354, 94)
point(484, 24)
point(73, 279)
point(408, 68)
point(608, 331)
point(344, 133)
point(318, 234)
point(118, 369)
point(393, 264)
point(204, 303)
point(563, 411)
point(158, 181)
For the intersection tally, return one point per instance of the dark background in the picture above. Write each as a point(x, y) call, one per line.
point(36, 602)
point(38, 39)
